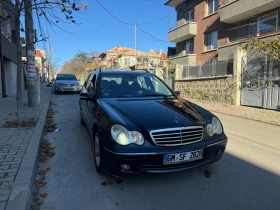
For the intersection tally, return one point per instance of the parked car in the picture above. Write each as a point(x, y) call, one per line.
point(139, 125)
point(66, 82)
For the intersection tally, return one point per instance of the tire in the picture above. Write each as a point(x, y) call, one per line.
point(98, 154)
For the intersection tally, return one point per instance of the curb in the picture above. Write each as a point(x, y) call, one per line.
point(247, 118)
point(21, 194)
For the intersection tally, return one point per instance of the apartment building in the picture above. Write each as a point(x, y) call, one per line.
point(198, 32)
point(246, 19)
point(8, 51)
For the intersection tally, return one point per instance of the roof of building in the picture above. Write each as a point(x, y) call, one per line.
point(38, 53)
point(164, 55)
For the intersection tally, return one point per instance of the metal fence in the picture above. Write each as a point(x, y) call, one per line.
point(209, 69)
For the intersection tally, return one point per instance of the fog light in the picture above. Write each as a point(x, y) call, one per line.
point(125, 167)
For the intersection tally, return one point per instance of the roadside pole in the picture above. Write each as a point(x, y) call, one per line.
point(32, 75)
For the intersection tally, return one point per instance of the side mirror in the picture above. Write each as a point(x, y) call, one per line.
point(86, 96)
point(177, 93)
point(79, 80)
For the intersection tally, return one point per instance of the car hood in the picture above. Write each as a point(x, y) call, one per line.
point(67, 81)
point(153, 113)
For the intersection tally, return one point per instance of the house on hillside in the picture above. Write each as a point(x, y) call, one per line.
point(8, 61)
point(147, 61)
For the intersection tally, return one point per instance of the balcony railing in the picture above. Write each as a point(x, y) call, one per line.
point(182, 31)
point(180, 23)
point(183, 53)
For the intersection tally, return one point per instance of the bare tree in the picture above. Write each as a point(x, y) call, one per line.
point(50, 11)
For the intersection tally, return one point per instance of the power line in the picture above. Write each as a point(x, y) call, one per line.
point(113, 15)
point(106, 27)
point(153, 37)
point(154, 21)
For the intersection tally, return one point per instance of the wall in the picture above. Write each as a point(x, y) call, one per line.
point(205, 24)
point(220, 89)
point(11, 77)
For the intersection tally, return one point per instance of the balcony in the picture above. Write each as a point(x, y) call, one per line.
point(174, 3)
point(183, 31)
point(237, 10)
point(184, 58)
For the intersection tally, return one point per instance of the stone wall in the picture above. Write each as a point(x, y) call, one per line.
point(220, 89)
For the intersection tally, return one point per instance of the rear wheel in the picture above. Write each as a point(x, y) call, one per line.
point(98, 154)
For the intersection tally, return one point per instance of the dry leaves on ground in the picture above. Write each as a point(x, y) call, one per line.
point(28, 122)
point(46, 151)
point(44, 195)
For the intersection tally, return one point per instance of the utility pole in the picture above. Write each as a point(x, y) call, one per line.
point(135, 39)
point(19, 63)
point(32, 74)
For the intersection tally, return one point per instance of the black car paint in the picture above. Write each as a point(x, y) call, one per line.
point(143, 114)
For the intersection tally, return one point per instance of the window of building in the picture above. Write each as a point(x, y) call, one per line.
point(253, 27)
point(127, 61)
point(211, 40)
point(268, 23)
point(189, 15)
point(189, 46)
point(213, 6)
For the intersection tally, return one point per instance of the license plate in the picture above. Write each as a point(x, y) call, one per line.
point(182, 157)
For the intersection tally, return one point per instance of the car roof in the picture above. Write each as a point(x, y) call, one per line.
point(118, 72)
point(65, 74)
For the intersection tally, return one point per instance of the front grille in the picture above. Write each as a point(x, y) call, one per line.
point(177, 136)
point(68, 85)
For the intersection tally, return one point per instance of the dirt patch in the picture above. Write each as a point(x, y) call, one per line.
point(26, 123)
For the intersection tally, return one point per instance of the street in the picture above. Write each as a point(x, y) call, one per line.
point(247, 177)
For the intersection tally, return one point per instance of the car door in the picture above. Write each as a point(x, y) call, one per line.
point(84, 103)
point(91, 105)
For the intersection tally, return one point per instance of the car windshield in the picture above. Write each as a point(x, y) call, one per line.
point(66, 77)
point(132, 85)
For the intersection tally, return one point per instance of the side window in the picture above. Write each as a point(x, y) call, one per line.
point(86, 81)
point(91, 87)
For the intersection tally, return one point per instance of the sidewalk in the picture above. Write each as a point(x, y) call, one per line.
point(257, 114)
point(14, 142)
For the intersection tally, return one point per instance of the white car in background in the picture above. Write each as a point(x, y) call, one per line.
point(66, 82)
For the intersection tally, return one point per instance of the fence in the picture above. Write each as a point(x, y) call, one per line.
point(209, 69)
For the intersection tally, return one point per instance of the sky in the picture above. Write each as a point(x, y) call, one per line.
point(96, 30)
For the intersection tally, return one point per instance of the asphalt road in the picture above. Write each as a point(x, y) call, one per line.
point(247, 177)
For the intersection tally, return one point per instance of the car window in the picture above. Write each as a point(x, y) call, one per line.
point(86, 81)
point(132, 85)
point(66, 77)
point(91, 84)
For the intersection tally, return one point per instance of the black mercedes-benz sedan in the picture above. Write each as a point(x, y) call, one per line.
point(140, 125)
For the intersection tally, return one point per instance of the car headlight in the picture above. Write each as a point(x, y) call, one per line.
point(215, 127)
point(124, 137)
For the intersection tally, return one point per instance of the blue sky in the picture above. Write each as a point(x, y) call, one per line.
point(99, 31)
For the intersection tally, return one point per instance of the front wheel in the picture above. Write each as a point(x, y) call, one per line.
point(98, 154)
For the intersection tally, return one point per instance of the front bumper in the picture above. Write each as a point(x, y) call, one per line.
point(141, 163)
point(67, 89)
